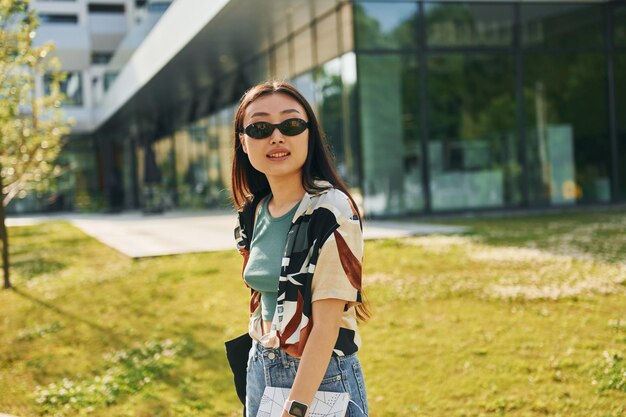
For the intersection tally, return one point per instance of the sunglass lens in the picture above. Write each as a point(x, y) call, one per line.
point(259, 130)
point(293, 127)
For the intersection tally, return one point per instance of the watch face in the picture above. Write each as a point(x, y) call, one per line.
point(297, 409)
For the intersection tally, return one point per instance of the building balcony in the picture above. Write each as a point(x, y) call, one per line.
point(72, 43)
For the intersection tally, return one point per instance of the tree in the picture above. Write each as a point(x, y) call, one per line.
point(32, 125)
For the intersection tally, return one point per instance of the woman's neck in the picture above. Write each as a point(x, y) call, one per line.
point(285, 192)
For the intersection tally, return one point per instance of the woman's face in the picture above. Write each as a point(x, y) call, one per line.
point(278, 155)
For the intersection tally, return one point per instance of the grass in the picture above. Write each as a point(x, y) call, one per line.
point(520, 317)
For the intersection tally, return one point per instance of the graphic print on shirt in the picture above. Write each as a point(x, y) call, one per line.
point(323, 257)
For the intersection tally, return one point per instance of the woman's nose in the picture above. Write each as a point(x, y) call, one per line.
point(277, 136)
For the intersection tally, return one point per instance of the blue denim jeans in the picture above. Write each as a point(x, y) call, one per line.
point(275, 368)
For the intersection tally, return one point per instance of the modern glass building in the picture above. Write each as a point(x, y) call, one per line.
point(429, 106)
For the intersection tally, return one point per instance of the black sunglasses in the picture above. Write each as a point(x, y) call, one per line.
point(289, 127)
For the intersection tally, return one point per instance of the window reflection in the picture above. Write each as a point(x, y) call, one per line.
point(385, 25)
point(330, 110)
point(391, 155)
point(196, 176)
point(214, 167)
point(567, 134)
point(620, 110)
point(619, 22)
point(164, 155)
point(465, 24)
point(562, 25)
point(472, 144)
point(306, 85)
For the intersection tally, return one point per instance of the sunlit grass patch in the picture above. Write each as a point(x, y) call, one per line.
point(600, 236)
point(443, 266)
point(611, 374)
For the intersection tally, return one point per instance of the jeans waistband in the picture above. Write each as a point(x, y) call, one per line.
point(279, 355)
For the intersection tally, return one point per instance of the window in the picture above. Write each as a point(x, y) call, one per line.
point(385, 25)
point(562, 26)
point(392, 159)
point(472, 141)
point(58, 18)
point(106, 8)
point(158, 7)
point(101, 57)
point(72, 87)
point(619, 22)
point(334, 99)
point(620, 109)
point(566, 128)
point(109, 77)
point(467, 24)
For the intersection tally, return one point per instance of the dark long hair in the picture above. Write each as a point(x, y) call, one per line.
point(248, 184)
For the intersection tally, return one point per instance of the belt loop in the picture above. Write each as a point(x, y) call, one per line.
point(284, 358)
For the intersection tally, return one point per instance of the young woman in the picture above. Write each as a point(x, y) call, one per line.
point(300, 235)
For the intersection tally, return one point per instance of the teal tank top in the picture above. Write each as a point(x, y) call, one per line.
point(266, 253)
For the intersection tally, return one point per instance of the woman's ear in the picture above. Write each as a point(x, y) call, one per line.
point(243, 144)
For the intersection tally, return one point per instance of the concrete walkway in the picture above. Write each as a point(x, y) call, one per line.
point(138, 235)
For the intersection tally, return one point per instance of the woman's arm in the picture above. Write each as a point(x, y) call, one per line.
point(319, 346)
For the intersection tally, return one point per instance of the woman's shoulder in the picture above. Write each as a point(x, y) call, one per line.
point(336, 201)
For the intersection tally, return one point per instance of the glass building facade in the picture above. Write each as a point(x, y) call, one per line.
point(429, 106)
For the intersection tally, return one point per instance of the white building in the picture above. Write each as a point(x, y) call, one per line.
point(94, 40)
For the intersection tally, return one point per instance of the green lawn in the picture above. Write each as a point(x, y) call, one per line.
point(520, 317)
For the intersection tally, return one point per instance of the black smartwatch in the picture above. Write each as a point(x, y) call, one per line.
point(296, 408)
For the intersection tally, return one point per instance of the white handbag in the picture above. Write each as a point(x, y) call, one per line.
point(324, 404)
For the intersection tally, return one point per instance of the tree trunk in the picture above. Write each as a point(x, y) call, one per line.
point(4, 236)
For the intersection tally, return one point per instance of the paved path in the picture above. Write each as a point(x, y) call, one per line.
point(138, 235)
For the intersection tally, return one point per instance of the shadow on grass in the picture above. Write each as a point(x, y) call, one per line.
point(117, 338)
point(212, 367)
point(32, 267)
